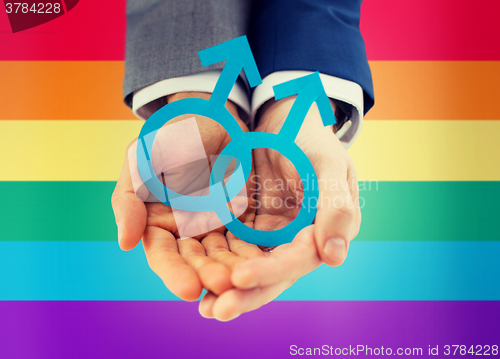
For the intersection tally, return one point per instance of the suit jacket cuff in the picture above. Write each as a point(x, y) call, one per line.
point(200, 82)
point(335, 88)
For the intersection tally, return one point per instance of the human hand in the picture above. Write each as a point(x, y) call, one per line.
point(260, 280)
point(202, 260)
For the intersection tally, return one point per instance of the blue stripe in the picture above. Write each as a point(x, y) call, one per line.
point(373, 271)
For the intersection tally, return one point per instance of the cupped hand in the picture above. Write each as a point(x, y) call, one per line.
point(259, 280)
point(187, 251)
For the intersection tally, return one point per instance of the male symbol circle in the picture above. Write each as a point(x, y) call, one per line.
point(238, 56)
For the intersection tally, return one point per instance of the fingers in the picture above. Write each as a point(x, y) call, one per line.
point(164, 259)
point(130, 211)
point(229, 250)
point(231, 304)
point(286, 263)
point(241, 248)
point(270, 275)
point(206, 305)
point(214, 276)
point(217, 249)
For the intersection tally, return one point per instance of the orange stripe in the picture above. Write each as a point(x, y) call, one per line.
point(62, 90)
point(435, 90)
point(423, 90)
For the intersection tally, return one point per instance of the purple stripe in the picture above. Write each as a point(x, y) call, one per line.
point(175, 329)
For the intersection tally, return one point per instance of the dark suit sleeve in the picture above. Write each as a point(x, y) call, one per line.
point(312, 35)
point(164, 37)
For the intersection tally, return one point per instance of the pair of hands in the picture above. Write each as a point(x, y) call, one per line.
point(239, 276)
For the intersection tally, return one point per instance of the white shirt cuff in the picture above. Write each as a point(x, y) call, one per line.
point(201, 82)
point(335, 88)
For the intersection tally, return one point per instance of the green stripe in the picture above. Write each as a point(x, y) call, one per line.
point(393, 211)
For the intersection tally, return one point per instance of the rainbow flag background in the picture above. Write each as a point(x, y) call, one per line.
point(424, 270)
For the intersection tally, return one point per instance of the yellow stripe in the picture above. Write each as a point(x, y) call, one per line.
point(64, 150)
point(385, 150)
point(428, 151)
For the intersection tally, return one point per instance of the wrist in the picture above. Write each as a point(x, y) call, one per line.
point(231, 106)
point(273, 114)
point(182, 95)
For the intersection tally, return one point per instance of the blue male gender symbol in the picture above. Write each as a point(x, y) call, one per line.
point(238, 56)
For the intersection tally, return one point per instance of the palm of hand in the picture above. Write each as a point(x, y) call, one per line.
point(280, 194)
point(240, 277)
point(195, 241)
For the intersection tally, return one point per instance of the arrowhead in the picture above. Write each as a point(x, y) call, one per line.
point(308, 89)
point(237, 54)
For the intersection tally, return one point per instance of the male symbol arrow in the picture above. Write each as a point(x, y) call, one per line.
point(238, 56)
point(308, 89)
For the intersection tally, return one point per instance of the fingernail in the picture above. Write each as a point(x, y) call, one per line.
point(120, 232)
point(335, 249)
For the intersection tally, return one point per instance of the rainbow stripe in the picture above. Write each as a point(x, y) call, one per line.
point(167, 329)
point(375, 271)
point(94, 150)
point(406, 90)
point(420, 30)
point(398, 211)
point(423, 271)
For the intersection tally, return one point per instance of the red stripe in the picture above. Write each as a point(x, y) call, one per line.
point(454, 30)
point(393, 30)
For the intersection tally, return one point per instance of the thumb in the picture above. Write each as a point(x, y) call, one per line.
point(130, 212)
point(337, 219)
